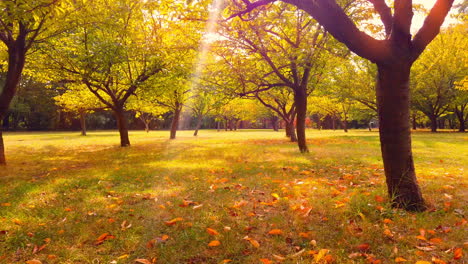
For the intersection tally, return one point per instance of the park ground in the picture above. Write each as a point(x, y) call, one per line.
point(246, 196)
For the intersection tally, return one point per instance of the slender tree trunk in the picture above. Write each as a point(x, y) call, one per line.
point(291, 131)
point(333, 122)
point(300, 100)
point(433, 119)
point(199, 122)
point(218, 125)
point(122, 126)
point(225, 124)
point(147, 127)
point(274, 123)
point(413, 119)
point(83, 123)
point(2, 148)
point(395, 136)
point(345, 125)
point(175, 121)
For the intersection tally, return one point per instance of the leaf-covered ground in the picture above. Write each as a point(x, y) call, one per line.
point(226, 197)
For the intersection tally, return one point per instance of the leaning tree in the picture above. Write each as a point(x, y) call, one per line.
point(394, 55)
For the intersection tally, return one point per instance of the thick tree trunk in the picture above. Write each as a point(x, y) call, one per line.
point(395, 136)
point(300, 100)
point(433, 119)
point(83, 123)
point(175, 122)
point(460, 116)
point(123, 127)
point(197, 127)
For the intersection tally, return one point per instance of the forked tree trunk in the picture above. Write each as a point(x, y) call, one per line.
point(83, 123)
point(197, 127)
point(300, 100)
point(123, 127)
point(175, 122)
point(395, 136)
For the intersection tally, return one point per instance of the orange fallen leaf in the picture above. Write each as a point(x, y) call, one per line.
point(435, 240)
point(387, 221)
point(265, 261)
point(103, 237)
point(422, 262)
point(379, 199)
point(275, 232)
point(33, 261)
point(400, 259)
point(458, 253)
point(173, 221)
point(438, 261)
point(143, 261)
point(254, 243)
point(212, 231)
point(214, 243)
point(164, 237)
point(51, 257)
point(421, 238)
point(363, 247)
point(5, 204)
point(226, 260)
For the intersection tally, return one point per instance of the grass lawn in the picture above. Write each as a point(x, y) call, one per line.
point(226, 197)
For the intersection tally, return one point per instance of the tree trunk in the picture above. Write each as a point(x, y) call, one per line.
point(175, 121)
point(345, 125)
point(16, 60)
point(274, 123)
point(218, 125)
point(83, 123)
point(413, 119)
point(291, 131)
point(433, 119)
point(199, 122)
point(460, 115)
point(2, 148)
point(300, 100)
point(123, 127)
point(395, 136)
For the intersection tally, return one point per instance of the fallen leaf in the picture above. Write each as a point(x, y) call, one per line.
point(435, 240)
point(458, 253)
point(387, 221)
point(173, 221)
point(275, 232)
point(279, 257)
point(422, 262)
point(214, 243)
point(33, 261)
point(212, 231)
point(265, 261)
point(143, 261)
point(123, 256)
point(226, 260)
point(400, 259)
point(429, 248)
point(379, 199)
point(320, 255)
point(363, 247)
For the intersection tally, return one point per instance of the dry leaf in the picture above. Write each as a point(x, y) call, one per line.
point(212, 231)
point(143, 261)
point(173, 221)
point(275, 232)
point(265, 261)
point(458, 253)
point(214, 243)
point(33, 261)
point(400, 259)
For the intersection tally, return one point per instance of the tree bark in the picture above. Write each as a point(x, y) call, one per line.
point(395, 136)
point(300, 100)
point(413, 119)
point(199, 122)
point(83, 123)
point(291, 131)
point(175, 121)
point(460, 115)
point(433, 119)
point(2, 148)
point(274, 123)
point(122, 126)
point(345, 125)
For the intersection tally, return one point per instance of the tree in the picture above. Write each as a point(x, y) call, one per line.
point(288, 48)
point(146, 110)
point(460, 104)
point(79, 101)
point(394, 57)
point(112, 59)
point(436, 73)
point(22, 24)
point(202, 103)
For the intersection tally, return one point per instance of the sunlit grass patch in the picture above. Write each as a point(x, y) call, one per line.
point(65, 198)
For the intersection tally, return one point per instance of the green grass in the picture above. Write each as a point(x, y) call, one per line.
point(61, 191)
